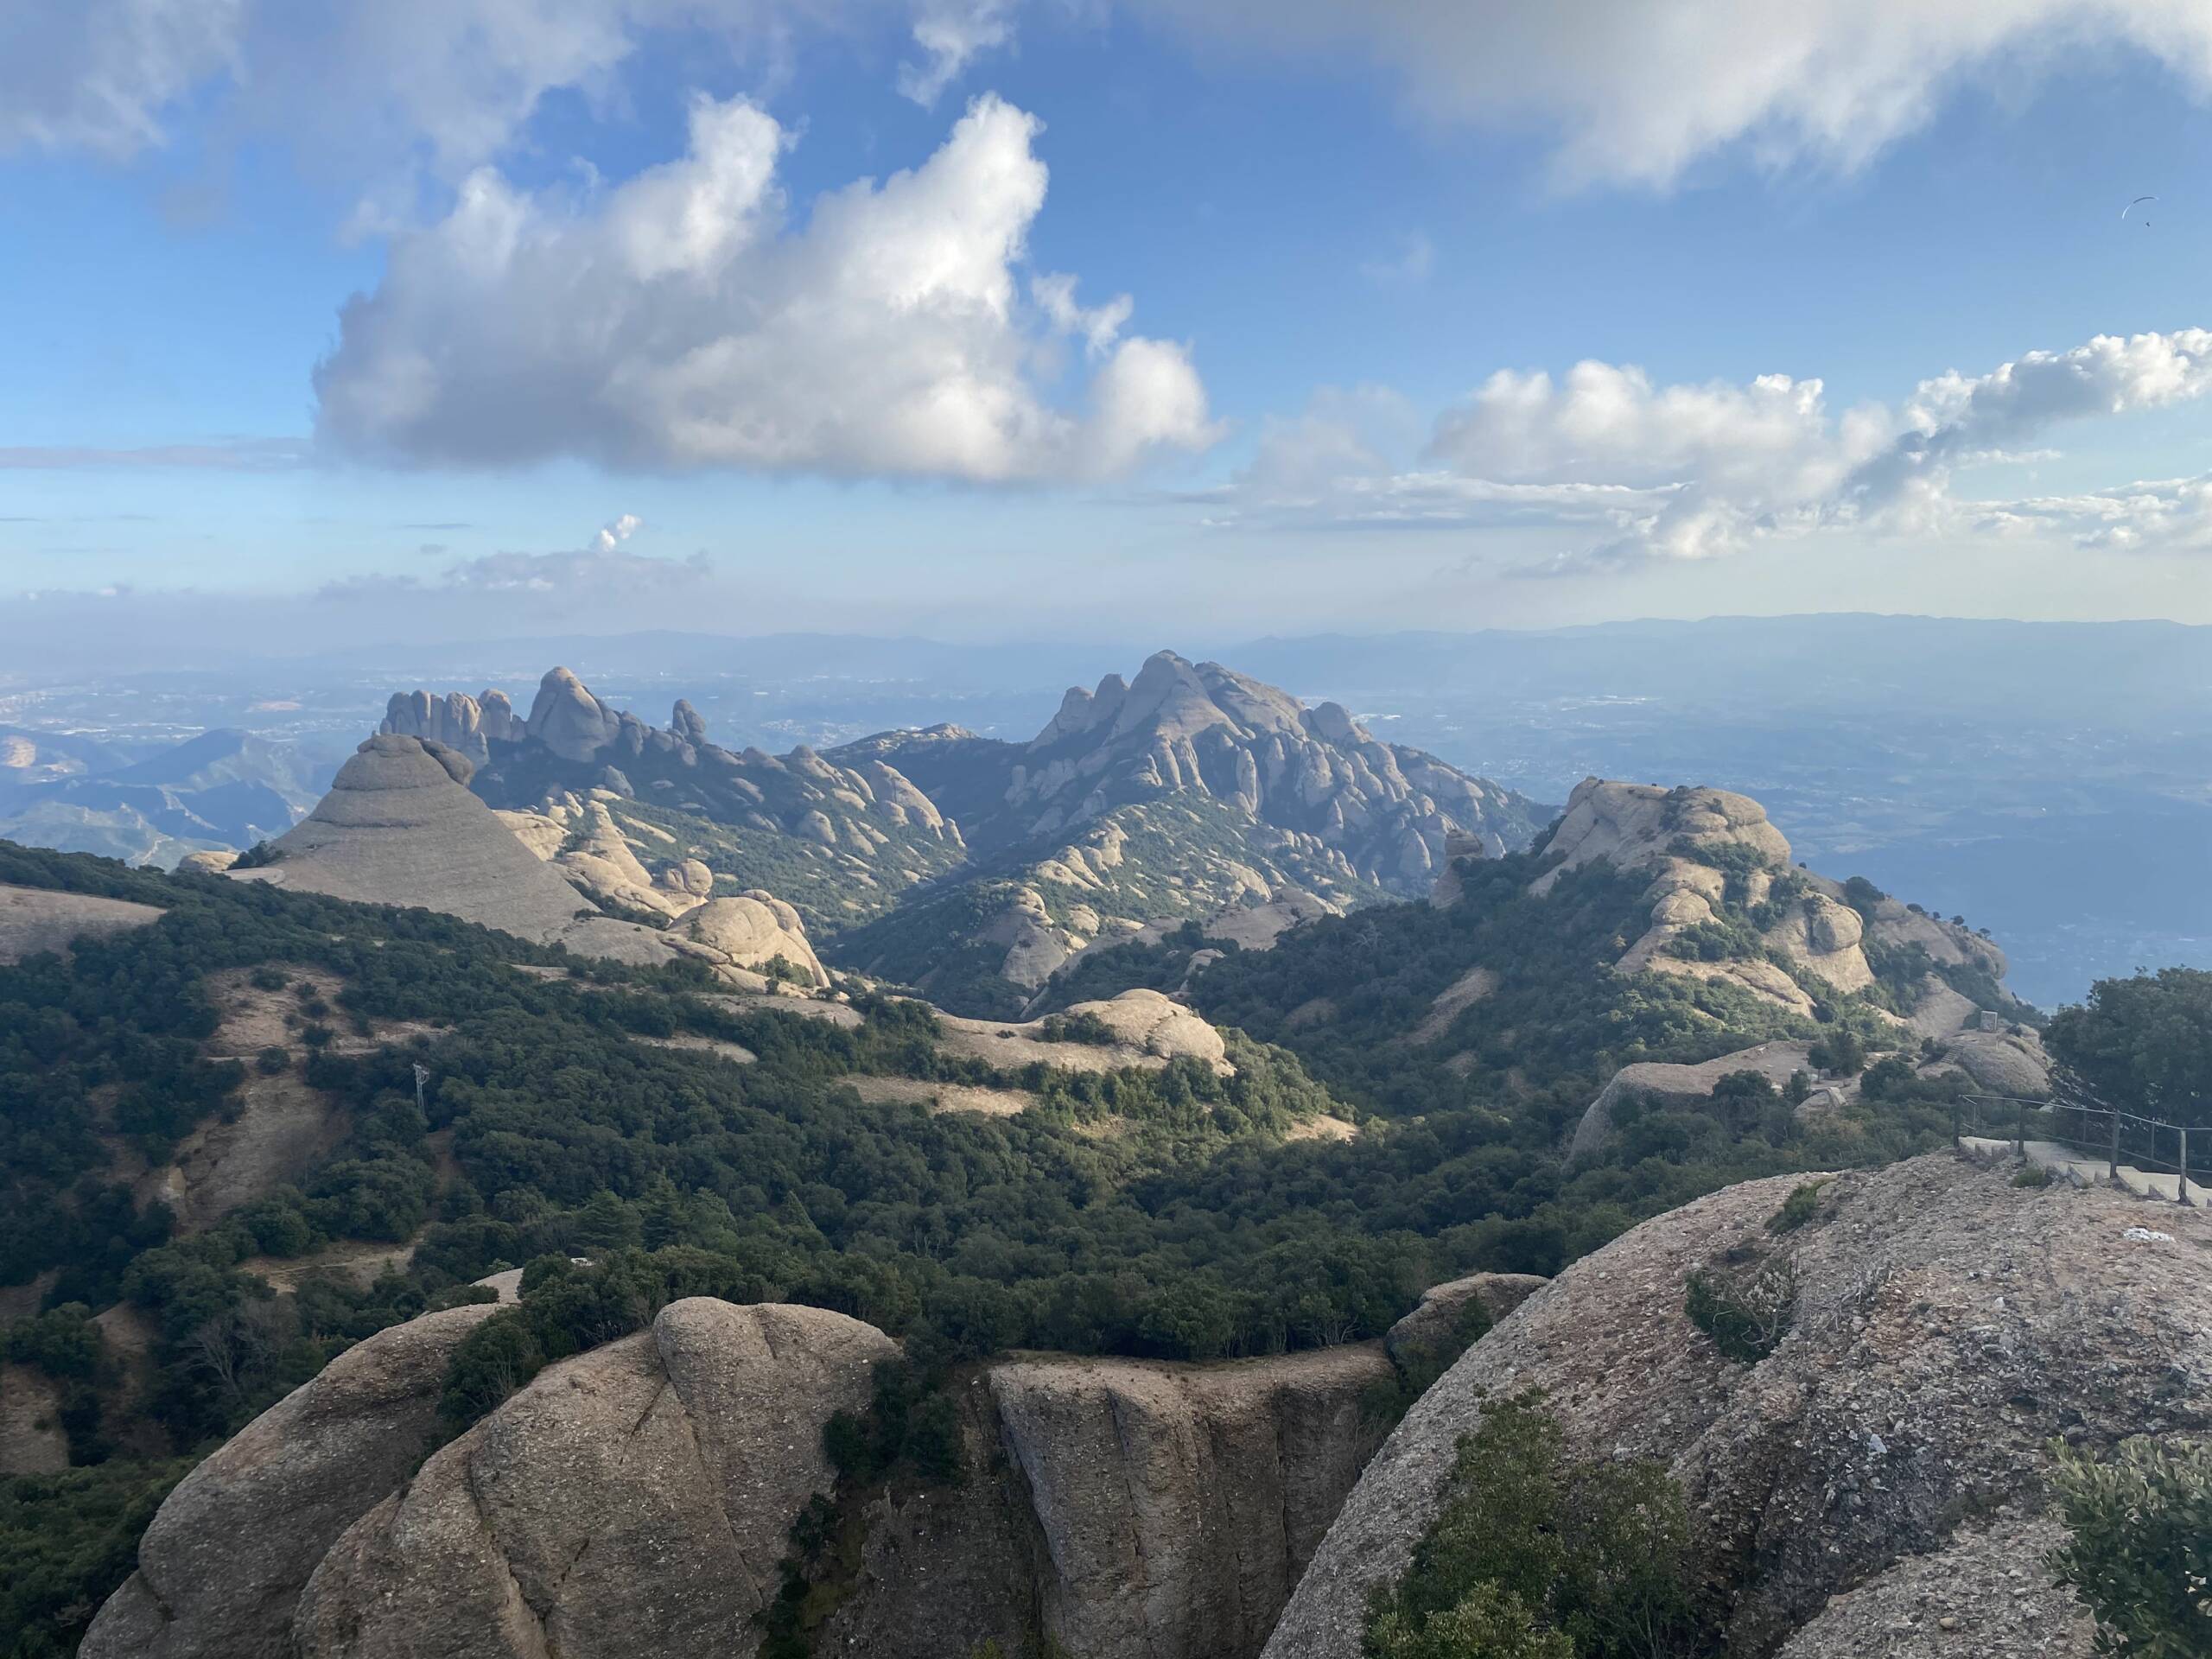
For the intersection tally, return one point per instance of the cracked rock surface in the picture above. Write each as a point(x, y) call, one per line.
point(1947, 1327)
point(221, 1565)
point(635, 1499)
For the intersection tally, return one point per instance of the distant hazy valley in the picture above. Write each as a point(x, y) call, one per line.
point(2051, 783)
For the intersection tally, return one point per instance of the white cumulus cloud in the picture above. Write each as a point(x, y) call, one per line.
point(1690, 472)
point(679, 322)
point(616, 532)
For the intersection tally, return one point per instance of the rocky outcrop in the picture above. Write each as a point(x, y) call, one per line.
point(1202, 728)
point(752, 931)
point(1634, 826)
point(1179, 1503)
point(1148, 1030)
point(1257, 925)
point(221, 1568)
point(570, 722)
point(845, 840)
point(469, 725)
point(2003, 1062)
point(639, 1499)
point(1715, 861)
point(1448, 889)
point(1429, 1326)
point(1181, 729)
point(399, 827)
point(635, 1499)
point(1947, 1327)
point(1975, 1595)
point(1669, 1082)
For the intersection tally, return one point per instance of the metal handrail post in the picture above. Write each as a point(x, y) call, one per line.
point(2020, 1129)
point(2181, 1186)
point(2111, 1164)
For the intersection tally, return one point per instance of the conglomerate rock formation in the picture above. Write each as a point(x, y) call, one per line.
point(1946, 1327)
point(638, 1499)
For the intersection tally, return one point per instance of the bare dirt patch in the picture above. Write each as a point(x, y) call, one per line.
point(1321, 1127)
point(254, 1019)
point(1462, 993)
point(945, 1096)
point(361, 1261)
point(31, 1440)
point(33, 920)
point(281, 1127)
point(735, 1053)
point(21, 1301)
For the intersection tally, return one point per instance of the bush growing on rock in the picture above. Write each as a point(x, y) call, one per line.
point(1539, 1555)
point(2141, 1553)
point(1746, 1311)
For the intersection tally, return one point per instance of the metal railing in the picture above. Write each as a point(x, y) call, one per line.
point(2100, 1133)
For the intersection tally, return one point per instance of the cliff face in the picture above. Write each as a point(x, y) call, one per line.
point(1947, 1327)
point(639, 1499)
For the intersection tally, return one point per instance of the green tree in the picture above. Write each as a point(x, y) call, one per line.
point(2143, 1042)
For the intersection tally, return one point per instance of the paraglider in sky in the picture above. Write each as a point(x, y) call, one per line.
point(2133, 205)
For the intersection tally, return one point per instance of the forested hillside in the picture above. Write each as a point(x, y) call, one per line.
point(1170, 1211)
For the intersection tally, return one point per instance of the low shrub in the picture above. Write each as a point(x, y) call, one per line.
point(2140, 1556)
point(1746, 1312)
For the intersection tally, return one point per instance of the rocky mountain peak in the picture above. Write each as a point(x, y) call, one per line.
point(567, 719)
point(399, 827)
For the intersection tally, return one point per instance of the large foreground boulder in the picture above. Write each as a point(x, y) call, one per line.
point(222, 1566)
point(1947, 1327)
point(638, 1500)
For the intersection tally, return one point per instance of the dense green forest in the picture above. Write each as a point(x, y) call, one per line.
point(1169, 1213)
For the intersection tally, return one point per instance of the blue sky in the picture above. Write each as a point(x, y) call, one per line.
point(630, 345)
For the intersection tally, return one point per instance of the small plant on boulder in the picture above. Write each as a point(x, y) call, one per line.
point(1746, 1311)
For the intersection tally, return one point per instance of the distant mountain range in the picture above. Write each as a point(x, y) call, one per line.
point(975, 867)
point(220, 789)
point(2048, 780)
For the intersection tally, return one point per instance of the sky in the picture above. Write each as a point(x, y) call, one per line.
point(338, 322)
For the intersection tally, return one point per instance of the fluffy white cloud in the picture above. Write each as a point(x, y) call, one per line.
point(616, 532)
point(2167, 516)
point(1637, 90)
point(676, 321)
point(1699, 471)
point(951, 34)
